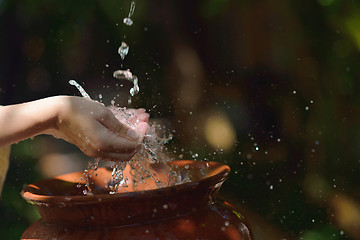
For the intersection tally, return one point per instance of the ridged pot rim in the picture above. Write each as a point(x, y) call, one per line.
point(219, 173)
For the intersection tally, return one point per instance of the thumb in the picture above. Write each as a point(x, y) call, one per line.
point(120, 129)
point(142, 128)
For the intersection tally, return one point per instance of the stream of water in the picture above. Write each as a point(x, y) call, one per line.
point(150, 162)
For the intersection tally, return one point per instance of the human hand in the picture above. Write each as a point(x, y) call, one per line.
point(95, 130)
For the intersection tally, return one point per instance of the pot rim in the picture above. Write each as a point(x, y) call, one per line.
point(210, 180)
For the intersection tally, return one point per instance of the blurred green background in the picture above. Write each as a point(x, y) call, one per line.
point(270, 88)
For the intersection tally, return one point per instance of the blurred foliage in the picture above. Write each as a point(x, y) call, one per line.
point(286, 75)
point(16, 215)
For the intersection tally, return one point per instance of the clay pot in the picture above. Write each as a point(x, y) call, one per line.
point(184, 211)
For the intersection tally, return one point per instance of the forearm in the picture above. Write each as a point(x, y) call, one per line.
point(21, 121)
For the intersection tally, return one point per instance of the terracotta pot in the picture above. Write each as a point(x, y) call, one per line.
point(185, 211)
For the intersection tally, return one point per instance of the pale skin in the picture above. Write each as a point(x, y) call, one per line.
point(85, 123)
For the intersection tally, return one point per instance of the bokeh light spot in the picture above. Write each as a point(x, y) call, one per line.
point(220, 132)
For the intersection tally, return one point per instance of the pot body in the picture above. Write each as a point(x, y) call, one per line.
point(214, 221)
point(183, 211)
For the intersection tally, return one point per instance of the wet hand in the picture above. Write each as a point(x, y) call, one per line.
point(95, 130)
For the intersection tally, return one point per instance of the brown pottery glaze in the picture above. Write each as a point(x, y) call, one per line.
point(184, 211)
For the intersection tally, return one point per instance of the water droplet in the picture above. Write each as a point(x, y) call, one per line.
point(123, 50)
point(132, 92)
point(123, 75)
point(127, 75)
point(132, 9)
point(128, 21)
point(135, 89)
point(165, 206)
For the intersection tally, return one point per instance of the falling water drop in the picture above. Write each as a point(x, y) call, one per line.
point(135, 89)
point(123, 74)
point(127, 20)
point(127, 75)
point(123, 50)
point(132, 8)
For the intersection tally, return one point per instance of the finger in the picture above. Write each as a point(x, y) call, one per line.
point(141, 117)
point(142, 128)
point(113, 124)
point(140, 110)
point(136, 111)
point(101, 140)
point(108, 119)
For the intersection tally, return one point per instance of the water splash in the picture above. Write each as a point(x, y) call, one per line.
point(123, 50)
point(149, 164)
point(88, 173)
point(127, 21)
point(80, 88)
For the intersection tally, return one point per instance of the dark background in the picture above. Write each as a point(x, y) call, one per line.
point(270, 88)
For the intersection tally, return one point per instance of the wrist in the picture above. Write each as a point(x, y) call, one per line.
point(51, 112)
